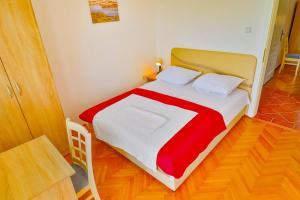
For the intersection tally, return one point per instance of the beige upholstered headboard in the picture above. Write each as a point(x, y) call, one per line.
point(240, 65)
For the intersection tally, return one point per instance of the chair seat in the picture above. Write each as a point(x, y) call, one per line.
point(80, 178)
point(293, 55)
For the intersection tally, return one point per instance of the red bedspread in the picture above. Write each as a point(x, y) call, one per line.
point(179, 152)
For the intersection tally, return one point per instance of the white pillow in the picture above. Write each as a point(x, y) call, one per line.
point(177, 75)
point(221, 85)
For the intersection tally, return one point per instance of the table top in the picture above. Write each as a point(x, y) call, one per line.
point(31, 168)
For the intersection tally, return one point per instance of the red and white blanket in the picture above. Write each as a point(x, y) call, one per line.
point(159, 130)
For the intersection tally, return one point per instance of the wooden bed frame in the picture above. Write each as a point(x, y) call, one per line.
point(239, 65)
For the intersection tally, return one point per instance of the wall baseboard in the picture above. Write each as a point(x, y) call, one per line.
point(269, 76)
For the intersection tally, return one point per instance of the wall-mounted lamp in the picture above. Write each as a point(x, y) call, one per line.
point(158, 66)
point(159, 62)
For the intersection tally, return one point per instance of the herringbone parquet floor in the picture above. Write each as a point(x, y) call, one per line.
point(255, 161)
point(280, 99)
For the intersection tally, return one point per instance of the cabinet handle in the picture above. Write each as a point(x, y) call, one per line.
point(19, 91)
point(9, 92)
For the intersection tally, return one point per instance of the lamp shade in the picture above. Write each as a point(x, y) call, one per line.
point(158, 64)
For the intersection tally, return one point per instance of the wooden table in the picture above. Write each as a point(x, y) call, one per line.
point(35, 170)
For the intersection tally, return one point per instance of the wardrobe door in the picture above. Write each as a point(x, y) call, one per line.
point(25, 61)
point(13, 127)
point(295, 34)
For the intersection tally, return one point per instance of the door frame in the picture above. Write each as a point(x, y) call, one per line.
point(263, 60)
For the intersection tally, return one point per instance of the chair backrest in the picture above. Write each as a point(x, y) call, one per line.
point(81, 152)
point(79, 143)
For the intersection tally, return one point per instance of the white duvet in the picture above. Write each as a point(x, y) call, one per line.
point(140, 126)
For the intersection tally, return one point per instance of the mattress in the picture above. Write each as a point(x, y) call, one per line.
point(229, 106)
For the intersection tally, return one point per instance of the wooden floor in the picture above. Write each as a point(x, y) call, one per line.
point(255, 161)
point(280, 100)
point(284, 81)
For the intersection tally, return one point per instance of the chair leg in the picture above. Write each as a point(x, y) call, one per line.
point(282, 66)
point(83, 191)
point(297, 70)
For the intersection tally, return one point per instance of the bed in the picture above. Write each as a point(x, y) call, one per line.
point(147, 156)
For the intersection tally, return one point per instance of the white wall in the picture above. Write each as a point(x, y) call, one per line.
point(92, 62)
point(215, 25)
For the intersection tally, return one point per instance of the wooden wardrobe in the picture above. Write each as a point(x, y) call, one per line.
point(29, 105)
point(294, 43)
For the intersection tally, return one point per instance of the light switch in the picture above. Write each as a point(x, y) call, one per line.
point(248, 29)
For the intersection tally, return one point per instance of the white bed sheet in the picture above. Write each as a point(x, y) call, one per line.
point(228, 106)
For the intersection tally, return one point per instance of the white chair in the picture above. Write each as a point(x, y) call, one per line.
point(80, 148)
point(290, 58)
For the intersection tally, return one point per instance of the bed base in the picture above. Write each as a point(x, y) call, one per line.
point(172, 182)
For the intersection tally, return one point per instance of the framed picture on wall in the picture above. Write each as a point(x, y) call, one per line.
point(104, 11)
